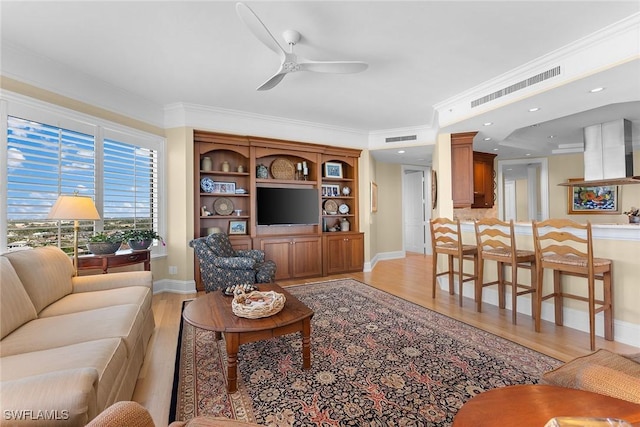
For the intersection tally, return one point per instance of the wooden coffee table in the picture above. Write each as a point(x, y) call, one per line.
point(534, 405)
point(212, 312)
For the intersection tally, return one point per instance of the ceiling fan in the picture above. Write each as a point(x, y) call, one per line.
point(291, 62)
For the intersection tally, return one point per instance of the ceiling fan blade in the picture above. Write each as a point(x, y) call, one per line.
point(340, 67)
point(258, 29)
point(273, 81)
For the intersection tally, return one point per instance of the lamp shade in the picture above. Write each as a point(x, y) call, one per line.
point(73, 207)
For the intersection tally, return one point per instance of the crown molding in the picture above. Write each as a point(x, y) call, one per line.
point(607, 47)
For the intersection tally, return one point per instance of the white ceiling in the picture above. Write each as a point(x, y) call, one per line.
point(420, 53)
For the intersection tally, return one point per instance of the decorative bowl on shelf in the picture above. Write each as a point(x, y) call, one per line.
point(282, 169)
point(331, 207)
point(223, 206)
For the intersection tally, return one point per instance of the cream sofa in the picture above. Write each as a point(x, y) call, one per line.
point(71, 346)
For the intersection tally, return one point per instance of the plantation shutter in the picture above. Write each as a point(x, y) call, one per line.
point(130, 193)
point(42, 162)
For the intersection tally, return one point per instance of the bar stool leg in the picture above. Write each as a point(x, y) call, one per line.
point(539, 286)
point(478, 294)
point(536, 291)
point(477, 285)
point(557, 296)
point(460, 278)
point(434, 273)
point(608, 302)
point(501, 286)
point(592, 313)
point(450, 263)
point(514, 292)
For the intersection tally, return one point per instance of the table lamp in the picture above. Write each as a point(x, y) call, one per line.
point(76, 208)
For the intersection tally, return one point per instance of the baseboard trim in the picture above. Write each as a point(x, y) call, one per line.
point(174, 286)
point(624, 332)
point(368, 266)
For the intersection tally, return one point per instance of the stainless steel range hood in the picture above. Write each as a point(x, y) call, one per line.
point(608, 155)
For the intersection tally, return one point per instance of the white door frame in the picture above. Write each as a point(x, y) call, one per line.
point(426, 204)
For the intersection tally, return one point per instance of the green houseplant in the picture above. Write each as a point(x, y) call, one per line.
point(105, 243)
point(141, 239)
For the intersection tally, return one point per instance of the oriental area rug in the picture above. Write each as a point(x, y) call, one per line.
point(377, 360)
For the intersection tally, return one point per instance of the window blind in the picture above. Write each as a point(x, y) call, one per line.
point(44, 161)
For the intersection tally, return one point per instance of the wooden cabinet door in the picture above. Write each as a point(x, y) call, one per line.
point(343, 253)
point(483, 180)
point(279, 251)
point(307, 260)
point(335, 257)
point(462, 169)
point(355, 252)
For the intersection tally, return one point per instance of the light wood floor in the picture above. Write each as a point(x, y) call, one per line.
point(409, 278)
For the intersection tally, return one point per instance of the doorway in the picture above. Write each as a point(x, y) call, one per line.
point(523, 189)
point(415, 212)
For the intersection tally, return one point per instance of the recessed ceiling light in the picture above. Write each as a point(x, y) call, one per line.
point(528, 154)
point(487, 139)
point(596, 89)
point(495, 149)
point(401, 151)
point(534, 109)
point(551, 136)
point(488, 124)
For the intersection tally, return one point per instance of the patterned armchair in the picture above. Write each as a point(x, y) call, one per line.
point(221, 266)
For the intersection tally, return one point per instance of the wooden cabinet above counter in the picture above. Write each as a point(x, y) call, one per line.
point(462, 169)
point(472, 175)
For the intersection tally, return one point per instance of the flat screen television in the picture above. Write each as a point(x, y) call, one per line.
point(287, 206)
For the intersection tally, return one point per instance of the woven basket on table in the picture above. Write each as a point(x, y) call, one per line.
point(262, 304)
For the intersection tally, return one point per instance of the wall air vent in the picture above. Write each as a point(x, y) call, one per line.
point(401, 138)
point(517, 86)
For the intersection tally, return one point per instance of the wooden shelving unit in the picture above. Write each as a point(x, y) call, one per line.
point(297, 250)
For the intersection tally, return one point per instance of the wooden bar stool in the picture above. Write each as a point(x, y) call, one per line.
point(566, 247)
point(446, 239)
point(497, 242)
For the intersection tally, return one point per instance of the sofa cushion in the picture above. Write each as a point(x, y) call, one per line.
point(68, 397)
point(107, 356)
point(607, 381)
point(120, 321)
point(49, 262)
point(15, 306)
point(84, 301)
point(567, 374)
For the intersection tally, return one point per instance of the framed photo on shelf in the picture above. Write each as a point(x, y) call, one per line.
point(330, 190)
point(592, 200)
point(333, 170)
point(224, 187)
point(237, 227)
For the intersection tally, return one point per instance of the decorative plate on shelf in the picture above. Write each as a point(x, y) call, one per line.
point(282, 169)
point(331, 207)
point(223, 206)
point(206, 184)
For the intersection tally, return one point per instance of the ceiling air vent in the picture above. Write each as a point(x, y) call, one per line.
point(401, 138)
point(517, 86)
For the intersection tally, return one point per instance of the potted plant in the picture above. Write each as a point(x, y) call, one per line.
point(634, 215)
point(140, 239)
point(105, 243)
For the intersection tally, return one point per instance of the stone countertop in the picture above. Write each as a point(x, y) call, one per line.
point(600, 231)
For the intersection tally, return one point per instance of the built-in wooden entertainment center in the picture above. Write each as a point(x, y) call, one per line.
point(230, 168)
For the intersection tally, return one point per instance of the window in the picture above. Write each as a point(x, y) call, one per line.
point(119, 168)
